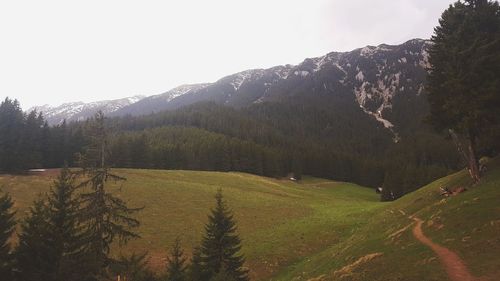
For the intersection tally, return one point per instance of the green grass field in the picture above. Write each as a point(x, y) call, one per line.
point(312, 230)
point(385, 249)
point(280, 222)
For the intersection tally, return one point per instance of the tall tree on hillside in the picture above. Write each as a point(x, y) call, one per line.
point(106, 217)
point(464, 80)
point(7, 224)
point(221, 245)
point(176, 268)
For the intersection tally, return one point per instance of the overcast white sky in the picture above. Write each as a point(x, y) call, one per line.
point(59, 51)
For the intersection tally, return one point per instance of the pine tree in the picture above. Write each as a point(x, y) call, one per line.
point(36, 255)
point(176, 270)
point(106, 217)
point(464, 80)
point(220, 245)
point(7, 224)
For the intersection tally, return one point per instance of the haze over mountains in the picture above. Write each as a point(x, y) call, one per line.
point(385, 81)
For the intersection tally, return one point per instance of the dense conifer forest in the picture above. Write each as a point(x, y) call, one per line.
point(291, 138)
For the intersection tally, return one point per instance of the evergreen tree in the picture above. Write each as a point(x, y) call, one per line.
point(106, 216)
point(11, 128)
point(464, 80)
point(7, 224)
point(223, 275)
point(36, 255)
point(220, 245)
point(64, 227)
point(133, 268)
point(195, 270)
point(176, 270)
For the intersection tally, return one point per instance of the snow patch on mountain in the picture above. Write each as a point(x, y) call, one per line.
point(181, 90)
point(302, 73)
point(360, 76)
point(78, 111)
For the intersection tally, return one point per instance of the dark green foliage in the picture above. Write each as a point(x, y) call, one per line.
point(7, 224)
point(51, 244)
point(195, 269)
point(223, 275)
point(132, 268)
point(36, 254)
point(27, 142)
point(221, 245)
point(414, 162)
point(176, 268)
point(464, 82)
point(13, 128)
point(65, 229)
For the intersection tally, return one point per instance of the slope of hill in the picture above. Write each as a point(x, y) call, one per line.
point(385, 248)
point(315, 229)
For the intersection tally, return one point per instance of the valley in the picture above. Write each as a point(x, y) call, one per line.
point(308, 229)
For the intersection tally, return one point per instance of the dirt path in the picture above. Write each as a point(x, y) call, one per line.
point(453, 264)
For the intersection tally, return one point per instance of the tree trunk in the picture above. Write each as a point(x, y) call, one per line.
point(458, 143)
point(473, 161)
point(468, 155)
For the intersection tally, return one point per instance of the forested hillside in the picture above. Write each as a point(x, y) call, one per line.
point(319, 136)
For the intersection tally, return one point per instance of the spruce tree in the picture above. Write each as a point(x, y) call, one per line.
point(7, 224)
point(65, 228)
point(464, 80)
point(176, 269)
point(36, 254)
point(133, 268)
point(221, 245)
point(223, 275)
point(195, 270)
point(106, 217)
point(11, 129)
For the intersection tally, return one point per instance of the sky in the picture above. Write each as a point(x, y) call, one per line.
point(52, 52)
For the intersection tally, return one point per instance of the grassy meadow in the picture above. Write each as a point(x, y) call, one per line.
point(315, 229)
point(385, 249)
point(280, 222)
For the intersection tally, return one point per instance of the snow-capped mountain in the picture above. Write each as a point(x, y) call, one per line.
point(384, 81)
point(77, 111)
point(157, 102)
point(379, 79)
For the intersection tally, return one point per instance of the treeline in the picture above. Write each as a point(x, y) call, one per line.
point(27, 142)
point(323, 137)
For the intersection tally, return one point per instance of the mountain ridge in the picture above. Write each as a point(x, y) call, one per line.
point(372, 77)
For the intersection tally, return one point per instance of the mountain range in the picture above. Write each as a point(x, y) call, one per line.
point(385, 82)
